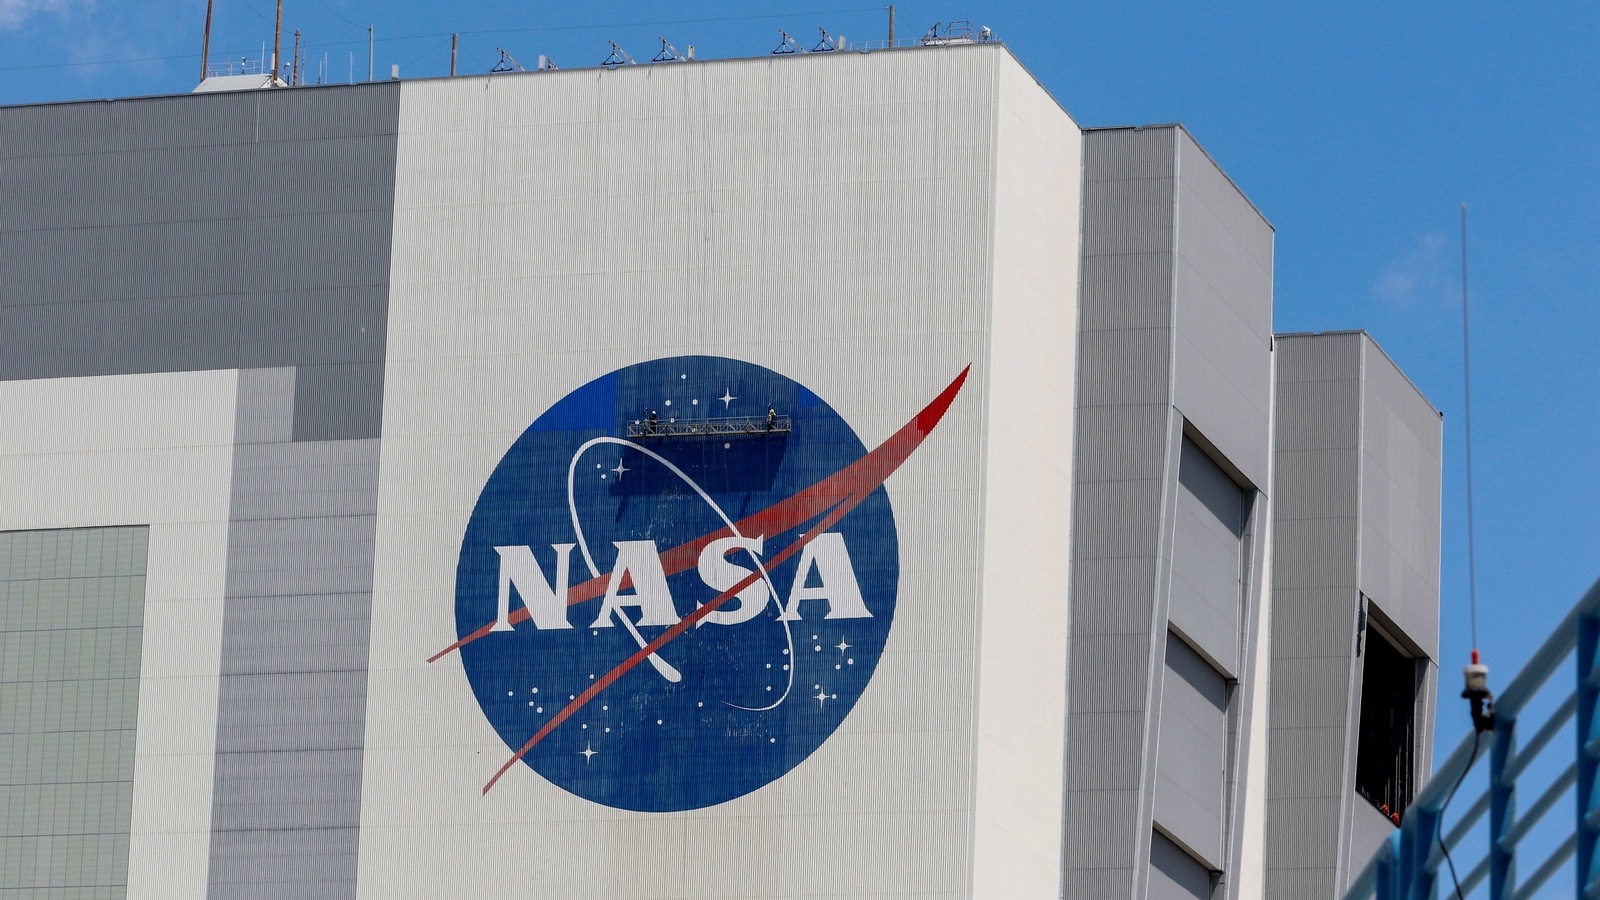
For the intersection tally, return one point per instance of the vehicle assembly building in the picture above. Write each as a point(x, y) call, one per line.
point(830, 476)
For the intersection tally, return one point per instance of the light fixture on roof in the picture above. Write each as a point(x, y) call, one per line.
point(507, 63)
point(668, 52)
point(618, 57)
point(787, 45)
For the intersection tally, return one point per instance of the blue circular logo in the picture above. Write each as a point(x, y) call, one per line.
point(676, 584)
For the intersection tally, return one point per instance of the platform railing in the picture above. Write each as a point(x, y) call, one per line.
point(1407, 866)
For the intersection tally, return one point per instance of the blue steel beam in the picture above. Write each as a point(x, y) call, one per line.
point(1502, 811)
point(1546, 869)
point(1585, 829)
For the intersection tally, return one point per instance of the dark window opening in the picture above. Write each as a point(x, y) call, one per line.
point(1386, 747)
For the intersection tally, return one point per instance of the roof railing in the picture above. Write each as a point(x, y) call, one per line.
point(1407, 865)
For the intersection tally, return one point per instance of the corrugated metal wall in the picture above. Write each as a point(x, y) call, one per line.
point(244, 231)
point(1358, 461)
point(1175, 362)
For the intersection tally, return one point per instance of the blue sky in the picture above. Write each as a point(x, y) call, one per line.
point(1357, 128)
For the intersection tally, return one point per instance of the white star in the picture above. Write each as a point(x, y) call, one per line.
point(843, 646)
point(822, 697)
point(588, 753)
point(620, 469)
point(727, 397)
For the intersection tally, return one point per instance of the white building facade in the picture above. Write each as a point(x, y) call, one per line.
point(832, 476)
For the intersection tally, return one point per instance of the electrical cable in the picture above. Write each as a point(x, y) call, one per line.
point(1477, 736)
point(259, 14)
point(97, 62)
point(430, 51)
point(341, 15)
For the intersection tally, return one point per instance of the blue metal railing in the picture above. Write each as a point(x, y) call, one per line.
point(1406, 867)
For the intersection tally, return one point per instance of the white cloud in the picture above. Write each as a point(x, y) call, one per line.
point(14, 12)
point(1422, 273)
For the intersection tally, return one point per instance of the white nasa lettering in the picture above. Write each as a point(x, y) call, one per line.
point(638, 560)
point(826, 552)
point(546, 606)
point(720, 575)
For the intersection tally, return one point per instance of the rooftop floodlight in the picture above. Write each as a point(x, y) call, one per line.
point(827, 44)
point(668, 52)
point(507, 63)
point(618, 57)
point(787, 45)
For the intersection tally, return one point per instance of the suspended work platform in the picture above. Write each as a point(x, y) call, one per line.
point(661, 428)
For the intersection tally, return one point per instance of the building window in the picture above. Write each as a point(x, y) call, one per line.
point(71, 635)
point(1386, 745)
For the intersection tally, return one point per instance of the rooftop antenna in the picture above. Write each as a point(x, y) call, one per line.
point(369, 52)
point(891, 24)
point(205, 41)
point(668, 52)
point(618, 57)
point(827, 44)
point(294, 73)
point(1476, 674)
point(277, 41)
point(455, 44)
point(507, 63)
point(787, 45)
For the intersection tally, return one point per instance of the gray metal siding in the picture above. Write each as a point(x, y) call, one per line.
point(1314, 597)
point(1175, 319)
point(247, 231)
point(1400, 523)
point(168, 234)
point(292, 699)
point(1124, 407)
point(1191, 766)
point(1207, 558)
point(1174, 874)
point(1222, 302)
point(1358, 475)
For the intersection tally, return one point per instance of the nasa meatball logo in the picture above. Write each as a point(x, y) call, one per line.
point(678, 582)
